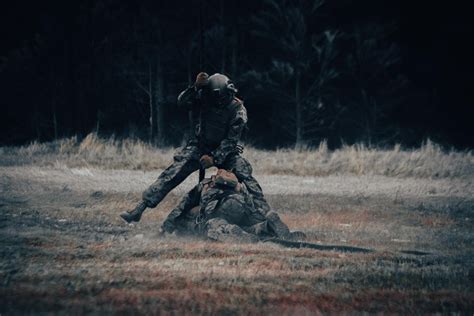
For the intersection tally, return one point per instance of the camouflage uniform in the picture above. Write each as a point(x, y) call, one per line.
point(220, 213)
point(221, 120)
point(217, 134)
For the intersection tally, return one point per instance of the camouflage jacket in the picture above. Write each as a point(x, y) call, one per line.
point(208, 199)
point(218, 129)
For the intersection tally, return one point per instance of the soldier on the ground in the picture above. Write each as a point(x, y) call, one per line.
point(221, 208)
point(221, 119)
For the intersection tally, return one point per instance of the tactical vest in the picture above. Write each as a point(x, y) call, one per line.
point(214, 123)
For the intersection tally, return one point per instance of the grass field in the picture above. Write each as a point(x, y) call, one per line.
point(65, 250)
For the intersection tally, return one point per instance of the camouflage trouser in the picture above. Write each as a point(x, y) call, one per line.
point(186, 161)
point(219, 229)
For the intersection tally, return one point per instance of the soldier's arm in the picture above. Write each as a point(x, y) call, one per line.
point(190, 200)
point(229, 143)
point(187, 98)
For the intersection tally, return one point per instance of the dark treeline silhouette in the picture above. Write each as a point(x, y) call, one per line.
point(345, 71)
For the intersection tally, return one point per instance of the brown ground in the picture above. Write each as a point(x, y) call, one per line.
point(64, 249)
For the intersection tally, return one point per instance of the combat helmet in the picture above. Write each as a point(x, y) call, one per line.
point(220, 90)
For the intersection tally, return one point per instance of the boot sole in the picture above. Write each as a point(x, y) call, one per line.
point(124, 217)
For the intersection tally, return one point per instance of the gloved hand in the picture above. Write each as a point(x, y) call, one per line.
point(206, 161)
point(201, 80)
point(187, 98)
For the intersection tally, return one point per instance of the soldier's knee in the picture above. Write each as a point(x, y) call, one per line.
point(152, 196)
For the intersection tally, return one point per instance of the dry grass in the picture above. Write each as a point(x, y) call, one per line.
point(429, 161)
point(64, 250)
point(91, 151)
point(73, 255)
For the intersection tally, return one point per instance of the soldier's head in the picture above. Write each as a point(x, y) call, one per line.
point(219, 90)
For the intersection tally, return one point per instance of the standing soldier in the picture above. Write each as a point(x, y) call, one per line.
point(222, 118)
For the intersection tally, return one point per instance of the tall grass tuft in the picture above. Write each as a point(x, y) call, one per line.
point(107, 153)
point(430, 160)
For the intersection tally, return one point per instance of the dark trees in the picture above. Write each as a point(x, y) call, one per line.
point(302, 61)
point(117, 68)
point(377, 89)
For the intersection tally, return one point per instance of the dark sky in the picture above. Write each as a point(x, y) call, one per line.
point(435, 40)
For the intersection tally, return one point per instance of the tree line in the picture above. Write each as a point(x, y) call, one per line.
point(117, 68)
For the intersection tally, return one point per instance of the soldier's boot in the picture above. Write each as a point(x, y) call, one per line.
point(278, 227)
point(260, 229)
point(135, 214)
point(220, 230)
